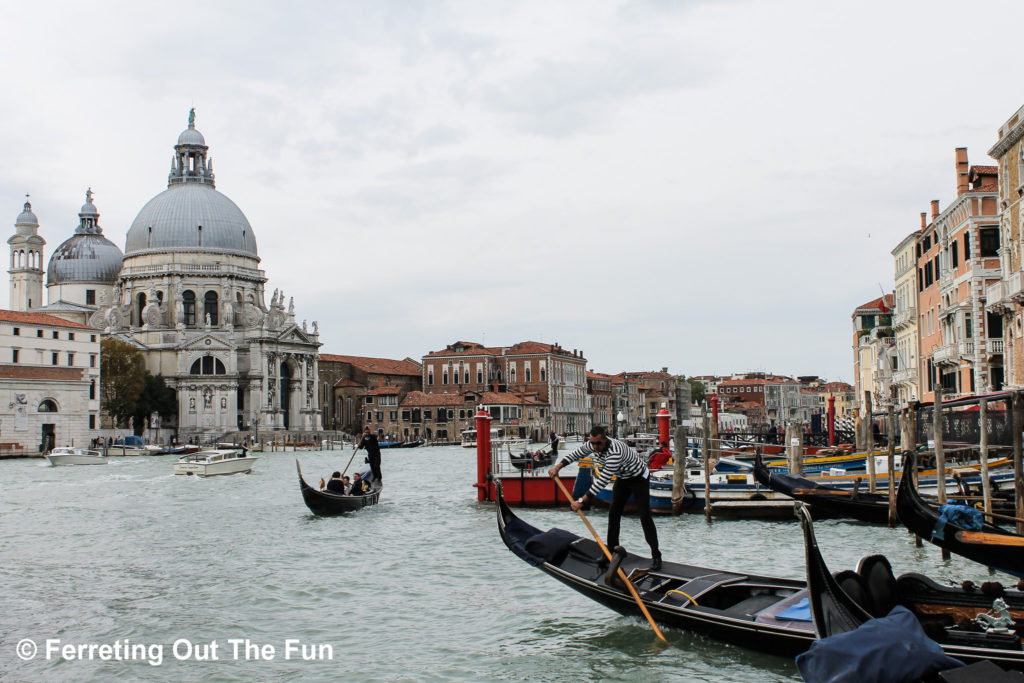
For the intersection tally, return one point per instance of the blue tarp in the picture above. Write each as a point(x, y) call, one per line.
point(893, 649)
point(963, 516)
point(801, 611)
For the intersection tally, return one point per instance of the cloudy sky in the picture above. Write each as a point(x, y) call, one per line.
point(708, 186)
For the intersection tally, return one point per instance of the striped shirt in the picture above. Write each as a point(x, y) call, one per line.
point(618, 460)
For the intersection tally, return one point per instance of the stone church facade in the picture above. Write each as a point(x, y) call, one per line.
point(190, 295)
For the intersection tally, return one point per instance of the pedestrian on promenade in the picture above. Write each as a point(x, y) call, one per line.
point(619, 461)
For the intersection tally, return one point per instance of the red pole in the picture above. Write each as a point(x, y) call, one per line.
point(714, 409)
point(664, 417)
point(831, 420)
point(483, 454)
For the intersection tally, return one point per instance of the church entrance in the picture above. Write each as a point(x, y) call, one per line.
point(286, 393)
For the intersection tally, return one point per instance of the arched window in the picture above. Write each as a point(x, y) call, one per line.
point(188, 298)
point(207, 365)
point(210, 307)
point(141, 305)
point(47, 406)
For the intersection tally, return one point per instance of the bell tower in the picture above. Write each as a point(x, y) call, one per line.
point(26, 261)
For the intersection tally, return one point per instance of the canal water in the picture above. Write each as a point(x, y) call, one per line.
point(417, 588)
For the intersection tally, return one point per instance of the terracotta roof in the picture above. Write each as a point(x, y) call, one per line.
point(419, 398)
point(739, 382)
point(39, 319)
point(468, 349)
point(648, 375)
point(597, 375)
point(377, 366)
point(40, 372)
point(383, 391)
point(532, 347)
point(492, 398)
point(876, 304)
point(346, 382)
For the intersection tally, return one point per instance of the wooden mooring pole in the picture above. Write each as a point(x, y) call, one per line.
point(679, 469)
point(892, 466)
point(869, 439)
point(986, 485)
point(940, 453)
point(705, 452)
point(1017, 421)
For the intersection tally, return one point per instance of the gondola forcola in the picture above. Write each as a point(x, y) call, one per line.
point(843, 601)
point(737, 608)
point(991, 545)
point(327, 504)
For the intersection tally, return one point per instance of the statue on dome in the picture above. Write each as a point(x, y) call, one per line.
point(192, 117)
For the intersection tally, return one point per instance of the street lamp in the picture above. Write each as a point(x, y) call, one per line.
point(621, 419)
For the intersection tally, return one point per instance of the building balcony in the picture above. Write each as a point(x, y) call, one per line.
point(947, 354)
point(995, 347)
point(994, 297)
point(905, 376)
point(904, 318)
point(967, 349)
point(1014, 287)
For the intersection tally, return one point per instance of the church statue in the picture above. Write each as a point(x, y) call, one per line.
point(273, 300)
point(192, 117)
point(208, 321)
point(316, 328)
point(291, 306)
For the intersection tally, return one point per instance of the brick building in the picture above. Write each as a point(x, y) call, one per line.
point(599, 394)
point(345, 380)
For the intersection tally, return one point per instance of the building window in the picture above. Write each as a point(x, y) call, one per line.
point(92, 337)
point(479, 376)
point(14, 356)
point(71, 336)
point(53, 358)
point(56, 334)
point(394, 415)
point(39, 333)
point(47, 406)
point(208, 365)
point(90, 299)
point(444, 377)
point(92, 422)
point(188, 301)
point(369, 416)
point(369, 400)
point(17, 331)
point(380, 416)
point(967, 246)
point(430, 377)
point(427, 414)
point(71, 359)
point(954, 253)
point(92, 389)
point(989, 241)
point(92, 360)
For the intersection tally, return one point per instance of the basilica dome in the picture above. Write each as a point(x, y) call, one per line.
point(191, 214)
point(86, 256)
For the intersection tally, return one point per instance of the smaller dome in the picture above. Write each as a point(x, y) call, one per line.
point(85, 257)
point(26, 217)
point(88, 209)
point(191, 136)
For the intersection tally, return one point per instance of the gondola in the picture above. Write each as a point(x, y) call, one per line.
point(825, 501)
point(411, 444)
point(843, 601)
point(991, 545)
point(325, 504)
point(530, 460)
point(737, 608)
point(392, 444)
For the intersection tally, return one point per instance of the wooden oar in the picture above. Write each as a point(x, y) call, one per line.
point(622, 574)
point(349, 461)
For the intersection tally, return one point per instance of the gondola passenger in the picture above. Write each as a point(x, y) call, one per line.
point(360, 486)
point(336, 485)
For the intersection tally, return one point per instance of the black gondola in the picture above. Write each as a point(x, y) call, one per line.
point(992, 546)
point(326, 504)
point(530, 460)
point(825, 501)
point(843, 601)
point(732, 607)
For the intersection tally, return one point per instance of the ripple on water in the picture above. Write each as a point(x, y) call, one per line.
point(417, 588)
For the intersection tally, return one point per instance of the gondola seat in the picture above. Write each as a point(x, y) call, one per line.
point(853, 585)
point(876, 573)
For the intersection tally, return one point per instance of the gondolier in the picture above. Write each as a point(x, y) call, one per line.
point(617, 460)
point(369, 442)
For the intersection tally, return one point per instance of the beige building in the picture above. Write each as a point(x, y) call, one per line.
point(873, 351)
point(1006, 297)
point(904, 321)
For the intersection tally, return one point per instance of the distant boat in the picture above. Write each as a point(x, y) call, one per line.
point(214, 462)
point(128, 445)
point(327, 504)
point(67, 455)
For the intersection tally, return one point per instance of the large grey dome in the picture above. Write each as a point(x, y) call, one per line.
point(86, 256)
point(190, 216)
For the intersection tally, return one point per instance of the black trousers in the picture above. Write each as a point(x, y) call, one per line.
point(375, 467)
point(640, 488)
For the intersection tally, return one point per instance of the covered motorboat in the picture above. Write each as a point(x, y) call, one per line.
point(69, 455)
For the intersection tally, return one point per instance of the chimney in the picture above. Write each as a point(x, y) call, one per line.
point(962, 184)
point(935, 209)
point(924, 220)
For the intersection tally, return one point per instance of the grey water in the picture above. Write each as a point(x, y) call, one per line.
point(417, 588)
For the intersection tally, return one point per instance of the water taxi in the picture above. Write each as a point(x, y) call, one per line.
point(209, 463)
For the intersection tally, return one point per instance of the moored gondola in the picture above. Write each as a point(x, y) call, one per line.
point(326, 504)
point(738, 608)
point(825, 501)
point(990, 545)
point(949, 615)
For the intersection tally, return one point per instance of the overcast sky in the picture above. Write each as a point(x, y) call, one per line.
point(708, 186)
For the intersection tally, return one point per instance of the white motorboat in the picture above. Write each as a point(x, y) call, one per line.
point(67, 455)
point(213, 462)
